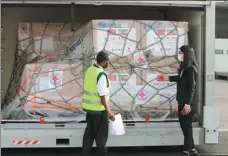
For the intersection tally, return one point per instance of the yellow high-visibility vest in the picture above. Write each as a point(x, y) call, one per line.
point(91, 98)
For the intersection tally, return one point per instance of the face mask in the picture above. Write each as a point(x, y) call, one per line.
point(106, 66)
point(180, 57)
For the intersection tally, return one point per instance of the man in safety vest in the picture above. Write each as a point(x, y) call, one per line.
point(95, 103)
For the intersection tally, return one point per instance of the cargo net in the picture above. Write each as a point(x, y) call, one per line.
point(51, 60)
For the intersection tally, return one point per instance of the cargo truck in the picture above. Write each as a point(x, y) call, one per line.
point(42, 132)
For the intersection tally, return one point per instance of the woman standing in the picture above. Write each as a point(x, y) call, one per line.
point(186, 84)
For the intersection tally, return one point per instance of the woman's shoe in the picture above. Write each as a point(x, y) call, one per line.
point(194, 152)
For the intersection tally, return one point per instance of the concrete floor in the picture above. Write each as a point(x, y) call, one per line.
point(219, 149)
point(221, 92)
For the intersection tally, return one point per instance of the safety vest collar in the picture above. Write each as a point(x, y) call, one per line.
point(98, 66)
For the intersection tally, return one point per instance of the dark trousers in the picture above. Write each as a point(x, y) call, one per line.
point(186, 127)
point(97, 129)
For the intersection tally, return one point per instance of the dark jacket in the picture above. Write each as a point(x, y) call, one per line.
point(186, 83)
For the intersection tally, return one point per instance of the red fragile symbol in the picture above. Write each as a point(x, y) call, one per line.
point(55, 78)
point(47, 58)
point(140, 59)
point(142, 94)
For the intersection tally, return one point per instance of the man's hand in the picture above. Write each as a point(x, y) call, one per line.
point(187, 109)
point(111, 116)
point(104, 100)
point(162, 77)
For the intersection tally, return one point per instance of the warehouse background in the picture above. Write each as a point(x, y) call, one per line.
point(221, 20)
point(221, 41)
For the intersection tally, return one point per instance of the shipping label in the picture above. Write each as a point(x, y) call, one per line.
point(116, 41)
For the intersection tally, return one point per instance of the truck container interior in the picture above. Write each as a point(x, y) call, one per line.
point(12, 15)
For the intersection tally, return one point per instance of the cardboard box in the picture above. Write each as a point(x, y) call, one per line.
point(119, 37)
point(163, 38)
point(53, 84)
point(51, 39)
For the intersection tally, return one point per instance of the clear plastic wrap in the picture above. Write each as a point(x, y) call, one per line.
point(55, 59)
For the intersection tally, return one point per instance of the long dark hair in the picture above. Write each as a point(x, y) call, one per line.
point(189, 57)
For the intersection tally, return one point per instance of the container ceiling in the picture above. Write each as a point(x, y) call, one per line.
point(221, 15)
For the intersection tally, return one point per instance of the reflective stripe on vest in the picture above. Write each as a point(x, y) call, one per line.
point(91, 98)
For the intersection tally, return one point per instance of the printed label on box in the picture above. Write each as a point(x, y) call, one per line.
point(169, 42)
point(115, 40)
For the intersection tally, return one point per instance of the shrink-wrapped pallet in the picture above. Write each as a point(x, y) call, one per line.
point(139, 51)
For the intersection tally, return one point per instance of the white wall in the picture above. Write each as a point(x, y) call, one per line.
point(221, 55)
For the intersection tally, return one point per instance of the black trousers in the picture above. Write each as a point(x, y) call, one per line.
point(186, 127)
point(97, 129)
